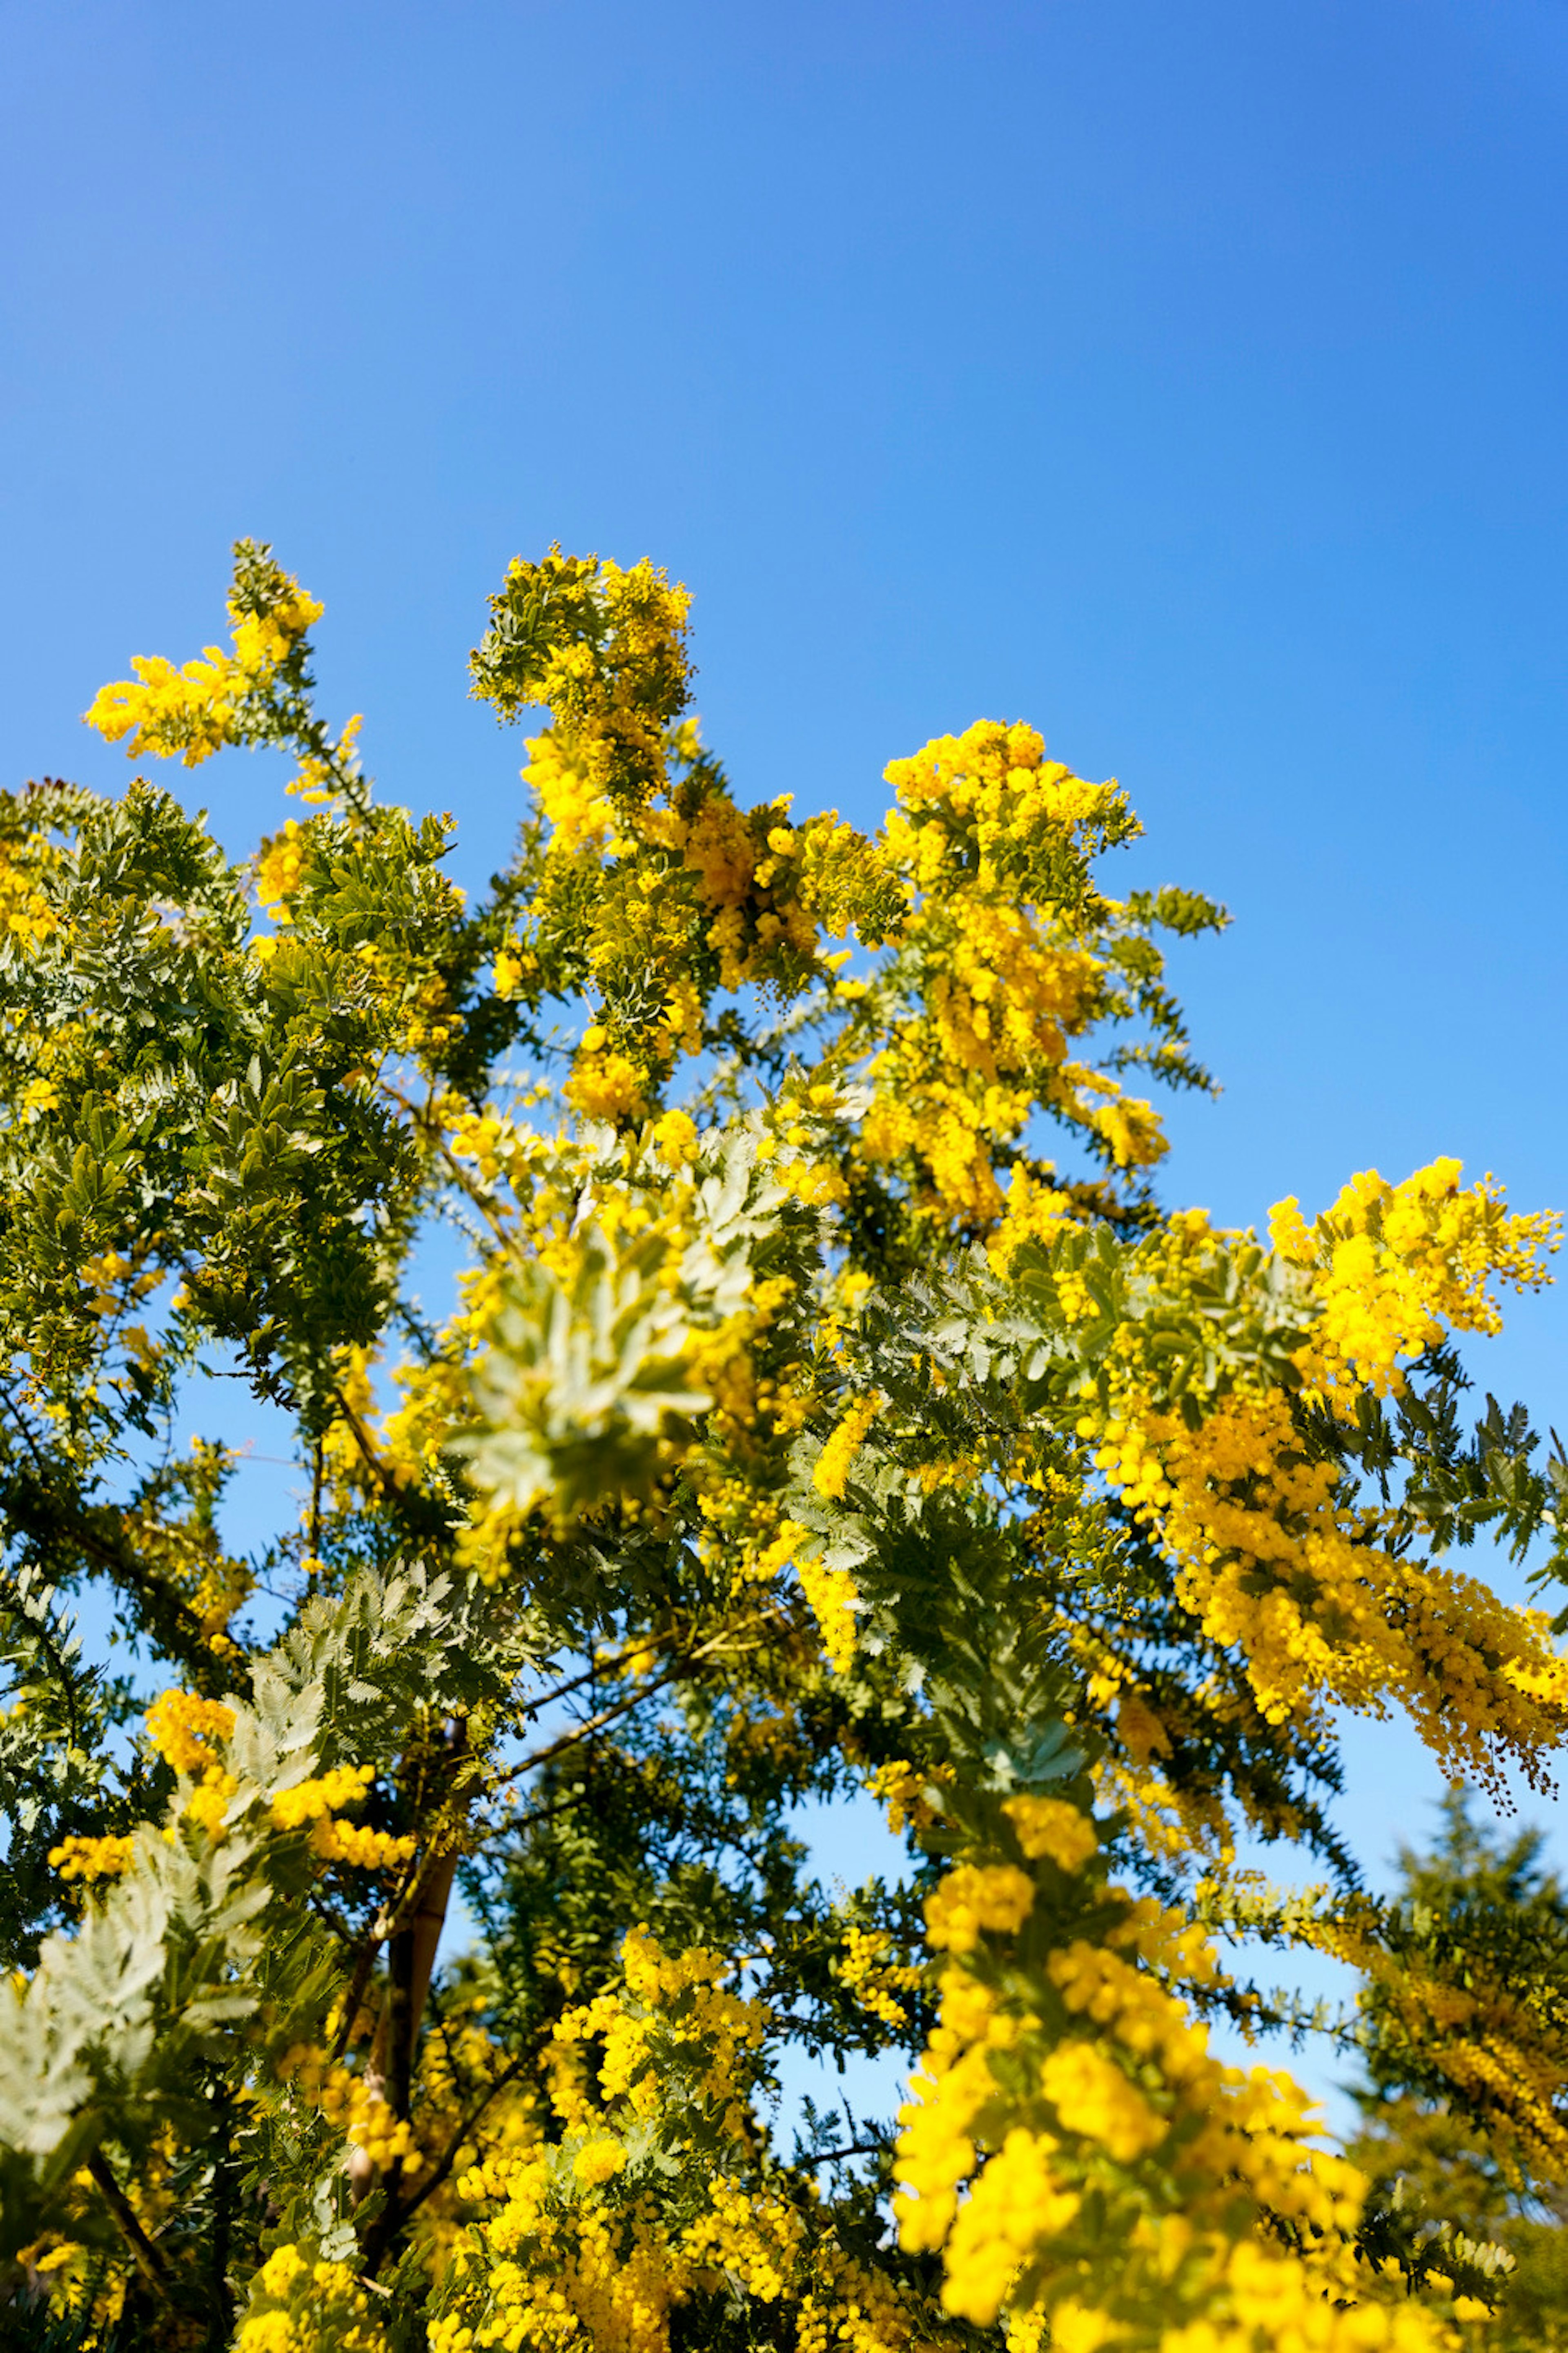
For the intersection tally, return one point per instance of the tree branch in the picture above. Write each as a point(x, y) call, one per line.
point(148, 2259)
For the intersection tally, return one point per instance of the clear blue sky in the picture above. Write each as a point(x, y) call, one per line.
point(1188, 380)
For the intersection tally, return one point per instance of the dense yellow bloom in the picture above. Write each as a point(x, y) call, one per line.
point(607, 1086)
point(876, 1983)
point(209, 1801)
point(1050, 1826)
point(834, 1599)
point(315, 1801)
point(599, 2160)
point(975, 1897)
point(983, 829)
point(279, 870)
point(1092, 2096)
point(92, 1858)
point(196, 710)
point(1018, 2203)
point(302, 2304)
point(180, 1725)
point(835, 1463)
point(1278, 1555)
point(1392, 1265)
point(1274, 1557)
point(310, 1802)
point(25, 913)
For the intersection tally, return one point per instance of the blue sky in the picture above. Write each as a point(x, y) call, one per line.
point(1189, 380)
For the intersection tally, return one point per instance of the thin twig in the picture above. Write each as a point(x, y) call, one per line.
point(148, 2259)
point(833, 2156)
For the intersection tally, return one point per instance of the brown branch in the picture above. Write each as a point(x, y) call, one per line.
point(679, 1667)
point(19, 1418)
point(56, 1522)
point(148, 2258)
point(574, 1682)
point(833, 2156)
point(362, 1439)
point(399, 2213)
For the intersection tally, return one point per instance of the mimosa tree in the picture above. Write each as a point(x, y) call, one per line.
point(832, 1411)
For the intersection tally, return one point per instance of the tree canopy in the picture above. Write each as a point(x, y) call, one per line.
point(830, 1411)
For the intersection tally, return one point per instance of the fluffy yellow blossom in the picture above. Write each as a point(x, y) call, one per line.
point(315, 1801)
point(1091, 2095)
point(835, 1463)
point(92, 1858)
point(676, 1136)
point(1050, 1826)
point(209, 1801)
point(834, 1599)
point(975, 1899)
point(1018, 2203)
point(607, 1086)
point(180, 1725)
point(279, 870)
point(983, 828)
point(196, 710)
point(875, 1981)
point(356, 2107)
point(599, 2160)
point(310, 1802)
point(1392, 1265)
point(301, 2303)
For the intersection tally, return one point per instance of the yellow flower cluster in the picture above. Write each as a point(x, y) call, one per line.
point(1063, 2114)
point(547, 2270)
point(902, 1788)
point(1275, 1558)
point(310, 1802)
point(209, 1801)
point(366, 2121)
point(949, 2090)
point(1277, 1555)
point(994, 788)
point(279, 868)
point(1050, 1826)
point(974, 1898)
point(1093, 2097)
point(1485, 2035)
point(834, 1599)
point(1034, 1210)
point(575, 2250)
point(599, 2160)
point(611, 664)
point(607, 1085)
point(537, 2276)
point(836, 1459)
point(846, 2306)
point(1005, 976)
point(340, 1842)
point(303, 2303)
point(753, 2238)
point(92, 1858)
point(1018, 2203)
point(580, 818)
point(875, 1981)
point(630, 2023)
point(180, 1725)
point(353, 2105)
point(194, 711)
point(1390, 1265)
point(25, 913)
point(315, 1801)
